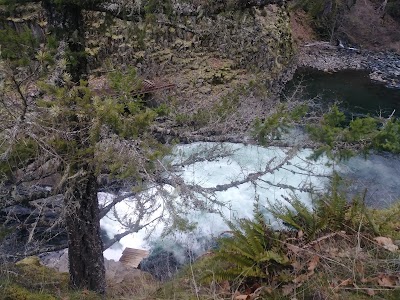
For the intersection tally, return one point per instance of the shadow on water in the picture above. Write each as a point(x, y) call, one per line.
point(353, 89)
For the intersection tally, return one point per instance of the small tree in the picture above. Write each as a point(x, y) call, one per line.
point(68, 131)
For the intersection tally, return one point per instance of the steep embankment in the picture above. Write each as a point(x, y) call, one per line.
point(224, 58)
point(366, 39)
point(224, 63)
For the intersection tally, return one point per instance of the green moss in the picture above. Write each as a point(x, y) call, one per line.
point(387, 220)
point(219, 77)
point(87, 295)
point(32, 274)
point(29, 261)
point(15, 292)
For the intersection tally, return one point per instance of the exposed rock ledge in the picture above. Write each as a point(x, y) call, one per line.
point(384, 67)
point(115, 270)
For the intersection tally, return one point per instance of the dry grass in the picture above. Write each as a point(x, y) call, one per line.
point(142, 286)
point(337, 265)
point(341, 263)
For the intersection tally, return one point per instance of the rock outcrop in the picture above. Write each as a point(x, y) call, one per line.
point(384, 67)
point(116, 271)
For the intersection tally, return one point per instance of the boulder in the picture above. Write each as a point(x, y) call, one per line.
point(116, 271)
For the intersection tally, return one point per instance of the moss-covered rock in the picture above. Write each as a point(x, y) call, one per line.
point(31, 274)
point(29, 280)
point(29, 261)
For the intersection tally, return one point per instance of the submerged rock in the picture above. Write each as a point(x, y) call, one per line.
point(161, 263)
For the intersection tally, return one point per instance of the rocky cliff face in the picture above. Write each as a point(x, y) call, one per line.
point(251, 38)
point(224, 60)
point(198, 43)
point(225, 57)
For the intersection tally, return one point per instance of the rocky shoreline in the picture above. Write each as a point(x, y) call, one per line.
point(384, 67)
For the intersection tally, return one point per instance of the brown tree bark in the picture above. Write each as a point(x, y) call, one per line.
point(65, 20)
point(82, 217)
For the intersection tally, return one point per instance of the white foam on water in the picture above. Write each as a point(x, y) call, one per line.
point(239, 201)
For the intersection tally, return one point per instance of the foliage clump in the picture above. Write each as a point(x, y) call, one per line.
point(12, 41)
point(322, 250)
point(279, 122)
point(342, 138)
point(252, 251)
point(15, 292)
point(329, 212)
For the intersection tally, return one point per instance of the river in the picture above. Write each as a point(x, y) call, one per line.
point(354, 90)
point(299, 173)
point(379, 173)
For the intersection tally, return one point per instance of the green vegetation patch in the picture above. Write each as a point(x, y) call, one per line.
point(32, 275)
point(15, 292)
point(342, 138)
point(29, 280)
point(335, 249)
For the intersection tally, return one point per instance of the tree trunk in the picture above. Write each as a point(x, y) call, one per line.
point(85, 247)
point(66, 22)
point(82, 219)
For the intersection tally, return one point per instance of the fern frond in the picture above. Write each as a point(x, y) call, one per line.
point(234, 258)
point(273, 255)
point(331, 211)
point(252, 251)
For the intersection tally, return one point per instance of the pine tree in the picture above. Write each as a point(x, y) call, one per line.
point(61, 130)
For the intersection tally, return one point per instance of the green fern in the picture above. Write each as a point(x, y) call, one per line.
point(252, 252)
point(299, 217)
point(329, 212)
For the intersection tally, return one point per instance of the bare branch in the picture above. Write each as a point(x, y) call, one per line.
point(106, 209)
point(134, 229)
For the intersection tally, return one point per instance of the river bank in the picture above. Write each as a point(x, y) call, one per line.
point(383, 67)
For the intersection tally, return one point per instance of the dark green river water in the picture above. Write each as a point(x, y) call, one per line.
point(356, 92)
